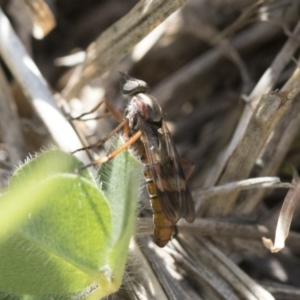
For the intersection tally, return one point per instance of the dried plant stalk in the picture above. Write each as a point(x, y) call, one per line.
point(10, 126)
point(35, 88)
point(120, 38)
point(264, 86)
point(266, 116)
point(43, 19)
point(285, 217)
point(278, 145)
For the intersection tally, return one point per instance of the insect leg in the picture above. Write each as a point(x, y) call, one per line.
point(115, 114)
point(101, 142)
point(87, 113)
point(111, 155)
point(112, 111)
point(190, 167)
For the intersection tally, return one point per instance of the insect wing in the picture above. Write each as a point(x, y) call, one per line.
point(172, 191)
point(187, 207)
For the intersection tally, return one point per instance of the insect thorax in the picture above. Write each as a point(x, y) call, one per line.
point(143, 106)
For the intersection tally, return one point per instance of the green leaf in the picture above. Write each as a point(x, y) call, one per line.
point(48, 163)
point(120, 185)
point(22, 199)
point(63, 246)
point(58, 236)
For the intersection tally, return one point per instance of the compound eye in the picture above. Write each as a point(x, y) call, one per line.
point(130, 86)
point(134, 87)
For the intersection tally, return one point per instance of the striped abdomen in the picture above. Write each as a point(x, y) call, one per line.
point(163, 228)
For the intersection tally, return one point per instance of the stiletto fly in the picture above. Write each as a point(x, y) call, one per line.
point(148, 133)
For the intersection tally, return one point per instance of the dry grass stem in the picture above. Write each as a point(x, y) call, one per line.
point(266, 116)
point(264, 86)
point(120, 38)
point(285, 217)
point(43, 19)
point(35, 88)
point(247, 184)
point(10, 126)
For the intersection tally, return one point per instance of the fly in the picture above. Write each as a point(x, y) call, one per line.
point(148, 133)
